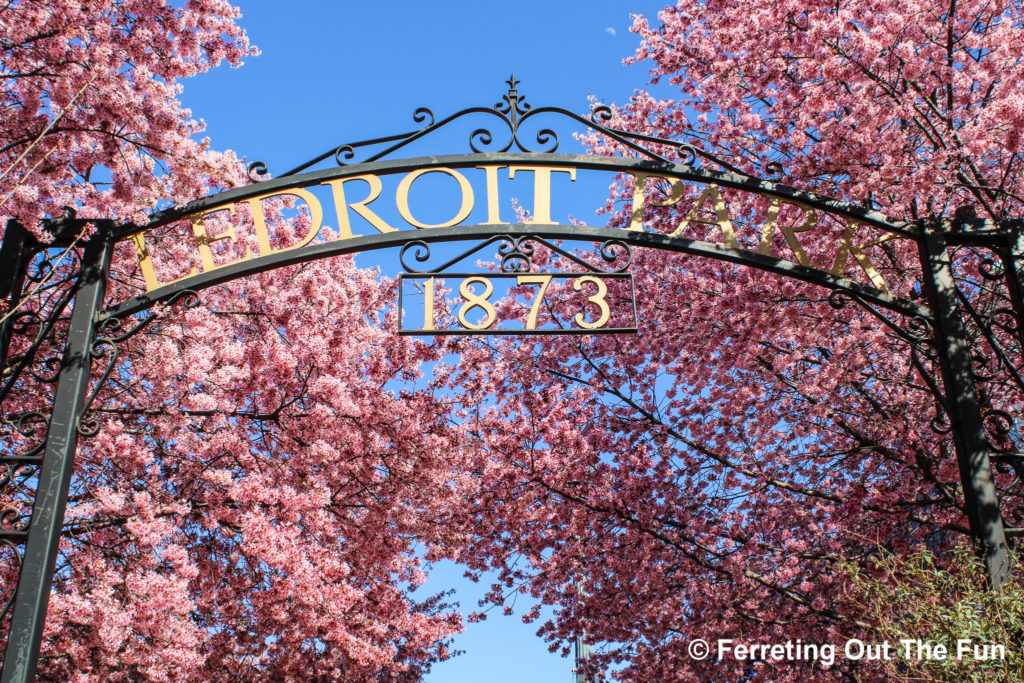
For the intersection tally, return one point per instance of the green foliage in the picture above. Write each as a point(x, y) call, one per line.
point(943, 601)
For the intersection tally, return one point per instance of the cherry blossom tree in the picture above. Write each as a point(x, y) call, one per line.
point(253, 502)
point(90, 116)
point(271, 467)
point(259, 488)
point(703, 479)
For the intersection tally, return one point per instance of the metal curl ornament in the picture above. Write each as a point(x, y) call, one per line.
point(110, 329)
point(8, 476)
point(421, 254)
point(941, 424)
point(482, 136)
point(917, 334)
point(49, 372)
point(998, 423)
point(12, 519)
point(612, 249)
point(42, 265)
point(344, 154)
point(22, 324)
point(838, 299)
point(1005, 319)
point(517, 252)
point(24, 320)
point(546, 136)
point(39, 270)
point(924, 348)
point(511, 104)
point(600, 114)
point(516, 255)
point(257, 172)
point(482, 140)
point(772, 169)
point(188, 298)
point(101, 348)
point(921, 329)
point(16, 473)
point(23, 423)
point(423, 115)
point(1016, 515)
point(992, 269)
point(687, 154)
point(981, 368)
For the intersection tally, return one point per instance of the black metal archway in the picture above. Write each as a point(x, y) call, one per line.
point(937, 330)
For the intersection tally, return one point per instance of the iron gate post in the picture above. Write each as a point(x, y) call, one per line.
point(41, 548)
point(981, 501)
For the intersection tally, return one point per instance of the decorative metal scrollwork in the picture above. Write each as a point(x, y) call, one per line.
point(517, 253)
point(1003, 319)
point(998, 423)
point(256, 170)
point(109, 335)
point(772, 169)
point(50, 301)
point(13, 546)
point(36, 326)
point(31, 425)
point(992, 268)
point(12, 520)
point(515, 277)
point(918, 333)
point(986, 286)
point(509, 116)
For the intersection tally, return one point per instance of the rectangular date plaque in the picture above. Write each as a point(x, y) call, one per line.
point(516, 303)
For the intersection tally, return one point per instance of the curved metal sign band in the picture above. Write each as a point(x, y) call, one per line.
point(734, 181)
point(464, 232)
point(392, 237)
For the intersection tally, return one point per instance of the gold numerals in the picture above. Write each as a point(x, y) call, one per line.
point(476, 301)
point(598, 299)
point(511, 303)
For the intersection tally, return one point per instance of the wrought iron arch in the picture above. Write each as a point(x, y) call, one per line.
point(934, 330)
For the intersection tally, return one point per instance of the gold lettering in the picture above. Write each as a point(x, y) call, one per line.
point(205, 240)
point(341, 205)
point(542, 189)
point(260, 221)
point(721, 214)
point(491, 172)
point(402, 197)
point(146, 264)
point(788, 231)
point(639, 198)
point(847, 247)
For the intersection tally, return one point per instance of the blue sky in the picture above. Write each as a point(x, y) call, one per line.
point(334, 72)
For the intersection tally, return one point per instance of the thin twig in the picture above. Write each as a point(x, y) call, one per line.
point(46, 130)
point(48, 276)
